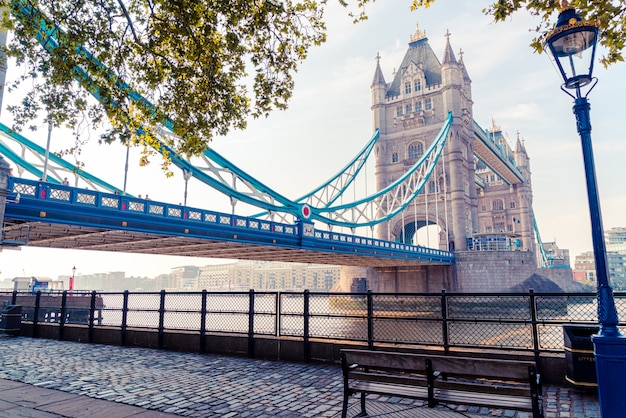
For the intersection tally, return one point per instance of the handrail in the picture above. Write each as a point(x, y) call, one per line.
point(524, 321)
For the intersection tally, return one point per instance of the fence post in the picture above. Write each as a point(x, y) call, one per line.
point(92, 314)
point(533, 317)
point(63, 311)
point(161, 320)
point(277, 304)
point(305, 332)
point(444, 320)
point(14, 297)
point(203, 322)
point(36, 314)
point(251, 324)
point(124, 317)
point(370, 320)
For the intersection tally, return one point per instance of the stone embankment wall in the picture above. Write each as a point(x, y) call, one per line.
point(474, 272)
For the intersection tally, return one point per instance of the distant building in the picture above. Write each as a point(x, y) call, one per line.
point(185, 277)
point(264, 275)
point(115, 281)
point(615, 236)
point(585, 267)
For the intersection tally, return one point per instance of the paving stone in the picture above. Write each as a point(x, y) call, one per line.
point(154, 381)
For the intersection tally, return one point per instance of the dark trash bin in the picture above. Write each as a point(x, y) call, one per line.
point(579, 357)
point(11, 319)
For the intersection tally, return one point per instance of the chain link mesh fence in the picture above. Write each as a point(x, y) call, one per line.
point(508, 321)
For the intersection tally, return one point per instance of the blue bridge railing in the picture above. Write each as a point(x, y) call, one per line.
point(36, 195)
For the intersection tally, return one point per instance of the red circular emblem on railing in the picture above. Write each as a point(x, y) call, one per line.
point(305, 211)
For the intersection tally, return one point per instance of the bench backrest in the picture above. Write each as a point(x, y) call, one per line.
point(386, 360)
point(450, 365)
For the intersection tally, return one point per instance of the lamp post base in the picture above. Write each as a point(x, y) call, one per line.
point(610, 352)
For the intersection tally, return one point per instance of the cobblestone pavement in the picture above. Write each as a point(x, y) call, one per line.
point(195, 385)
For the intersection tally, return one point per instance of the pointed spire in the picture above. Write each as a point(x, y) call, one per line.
point(466, 76)
point(519, 144)
point(379, 78)
point(448, 55)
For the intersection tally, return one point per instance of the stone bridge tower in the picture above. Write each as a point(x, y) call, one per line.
point(479, 194)
point(409, 112)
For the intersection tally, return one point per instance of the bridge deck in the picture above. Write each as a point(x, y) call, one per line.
point(51, 235)
point(59, 216)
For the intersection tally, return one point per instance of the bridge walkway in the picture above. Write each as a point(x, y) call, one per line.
point(51, 379)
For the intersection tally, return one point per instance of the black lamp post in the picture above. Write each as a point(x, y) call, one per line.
point(572, 46)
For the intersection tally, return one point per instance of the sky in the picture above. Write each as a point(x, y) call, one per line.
point(329, 120)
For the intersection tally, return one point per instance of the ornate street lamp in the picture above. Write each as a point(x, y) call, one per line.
point(572, 46)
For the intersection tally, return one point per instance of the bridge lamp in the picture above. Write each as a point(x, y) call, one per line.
point(72, 278)
point(572, 46)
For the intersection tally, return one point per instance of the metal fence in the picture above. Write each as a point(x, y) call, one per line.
point(513, 321)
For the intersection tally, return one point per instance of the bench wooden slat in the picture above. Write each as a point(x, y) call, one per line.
point(415, 392)
point(388, 378)
point(483, 388)
point(386, 360)
point(480, 367)
point(461, 397)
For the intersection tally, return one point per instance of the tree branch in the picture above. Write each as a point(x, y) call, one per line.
point(128, 19)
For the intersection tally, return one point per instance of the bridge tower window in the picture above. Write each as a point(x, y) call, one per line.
point(408, 108)
point(399, 111)
point(394, 157)
point(418, 106)
point(512, 205)
point(416, 149)
point(418, 85)
point(497, 204)
point(407, 88)
point(429, 104)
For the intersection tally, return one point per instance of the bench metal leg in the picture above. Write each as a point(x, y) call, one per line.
point(363, 411)
point(344, 411)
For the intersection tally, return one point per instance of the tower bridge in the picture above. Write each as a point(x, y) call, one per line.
point(434, 166)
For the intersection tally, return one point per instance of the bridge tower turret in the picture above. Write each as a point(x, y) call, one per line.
point(409, 112)
point(525, 196)
point(456, 92)
point(379, 90)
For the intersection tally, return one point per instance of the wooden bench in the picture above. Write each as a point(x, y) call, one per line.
point(446, 379)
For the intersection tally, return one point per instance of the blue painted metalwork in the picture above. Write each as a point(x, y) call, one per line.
point(31, 168)
point(393, 199)
point(336, 186)
point(260, 195)
point(497, 150)
point(546, 261)
point(542, 251)
point(90, 208)
point(607, 313)
point(569, 44)
point(370, 211)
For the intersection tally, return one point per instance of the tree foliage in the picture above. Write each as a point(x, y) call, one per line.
point(609, 15)
point(203, 67)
